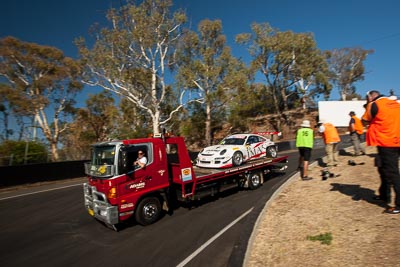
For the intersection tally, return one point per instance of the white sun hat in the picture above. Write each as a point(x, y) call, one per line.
point(306, 123)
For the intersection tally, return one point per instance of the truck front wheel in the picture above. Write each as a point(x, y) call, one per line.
point(148, 211)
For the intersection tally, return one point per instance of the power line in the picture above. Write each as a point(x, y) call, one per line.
point(383, 38)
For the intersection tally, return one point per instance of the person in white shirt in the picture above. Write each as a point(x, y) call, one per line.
point(141, 160)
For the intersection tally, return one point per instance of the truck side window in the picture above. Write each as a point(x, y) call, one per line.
point(172, 153)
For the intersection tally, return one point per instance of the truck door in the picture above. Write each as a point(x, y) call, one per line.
point(146, 177)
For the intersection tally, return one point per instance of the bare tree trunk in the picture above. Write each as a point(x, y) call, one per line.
point(208, 125)
point(156, 122)
point(284, 99)
point(276, 104)
point(54, 152)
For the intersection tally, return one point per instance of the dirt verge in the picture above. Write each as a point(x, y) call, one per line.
point(341, 211)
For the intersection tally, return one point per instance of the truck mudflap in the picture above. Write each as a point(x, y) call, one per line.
point(97, 205)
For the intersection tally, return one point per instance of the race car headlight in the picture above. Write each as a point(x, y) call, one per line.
point(222, 152)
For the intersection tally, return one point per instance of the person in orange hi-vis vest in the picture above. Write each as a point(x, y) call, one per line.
point(356, 129)
point(382, 115)
point(331, 139)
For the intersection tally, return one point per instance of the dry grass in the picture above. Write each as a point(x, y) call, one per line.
point(342, 206)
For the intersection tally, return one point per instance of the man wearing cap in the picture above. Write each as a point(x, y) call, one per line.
point(356, 129)
point(304, 142)
point(382, 114)
point(331, 139)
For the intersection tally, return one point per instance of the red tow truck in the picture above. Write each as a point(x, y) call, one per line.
point(116, 191)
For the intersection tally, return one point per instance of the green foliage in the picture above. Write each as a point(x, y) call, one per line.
point(21, 152)
point(191, 125)
point(325, 239)
point(132, 122)
point(290, 63)
point(346, 67)
point(206, 65)
point(99, 115)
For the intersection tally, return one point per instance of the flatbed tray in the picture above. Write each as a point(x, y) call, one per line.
point(213, 172)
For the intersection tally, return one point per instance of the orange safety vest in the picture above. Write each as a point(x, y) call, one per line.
point(358, 126)
point(330, 134)
point(384, 128)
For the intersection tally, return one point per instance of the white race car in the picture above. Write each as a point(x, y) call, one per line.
point(236, 149)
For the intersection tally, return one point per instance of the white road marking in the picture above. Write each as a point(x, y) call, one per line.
point(195, 253)
point(42, 191)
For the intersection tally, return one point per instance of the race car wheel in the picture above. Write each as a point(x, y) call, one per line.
point(271, 152)
point(237, 158)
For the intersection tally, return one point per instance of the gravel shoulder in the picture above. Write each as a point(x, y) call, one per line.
point(341, 207)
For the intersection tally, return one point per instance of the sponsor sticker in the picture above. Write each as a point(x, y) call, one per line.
point(127, 205)
point(186, 174)
point(137, 186)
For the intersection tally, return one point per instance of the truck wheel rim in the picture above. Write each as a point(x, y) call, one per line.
point(149, 210)
point(255, 180)
point(238, 158)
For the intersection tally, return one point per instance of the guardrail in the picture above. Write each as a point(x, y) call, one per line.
point(25, 174)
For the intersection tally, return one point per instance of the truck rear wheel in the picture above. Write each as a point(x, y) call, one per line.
point(148, 211)
point(255, 180)
point(237, 158)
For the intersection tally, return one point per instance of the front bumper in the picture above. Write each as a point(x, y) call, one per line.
point(97, 205)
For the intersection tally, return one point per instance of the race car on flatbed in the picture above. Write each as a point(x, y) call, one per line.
point(234, 150)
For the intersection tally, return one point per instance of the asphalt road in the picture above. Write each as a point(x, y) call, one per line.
point(49, 226)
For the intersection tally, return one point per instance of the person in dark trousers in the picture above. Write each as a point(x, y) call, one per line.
point(356, 130)
point(384, 188)
point(305, 143)
point(382, 114)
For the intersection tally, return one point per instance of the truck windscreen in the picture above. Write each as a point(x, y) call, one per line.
point(103, 155)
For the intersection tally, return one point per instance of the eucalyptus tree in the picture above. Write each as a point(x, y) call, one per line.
point(95, 122)
point(206, 65)
point(347, 67)
point(100, 115)
point(135, 56)
point(132, 121)
point(41, 83)
point(284, 59)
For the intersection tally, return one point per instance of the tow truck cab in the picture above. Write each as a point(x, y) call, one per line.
point(116, 189)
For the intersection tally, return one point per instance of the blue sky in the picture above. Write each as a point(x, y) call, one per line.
point(335, 24)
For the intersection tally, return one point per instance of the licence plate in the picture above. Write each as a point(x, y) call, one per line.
point(91, 212)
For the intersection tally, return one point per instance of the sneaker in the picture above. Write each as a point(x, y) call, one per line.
point(306, 178)
point(392, 210)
